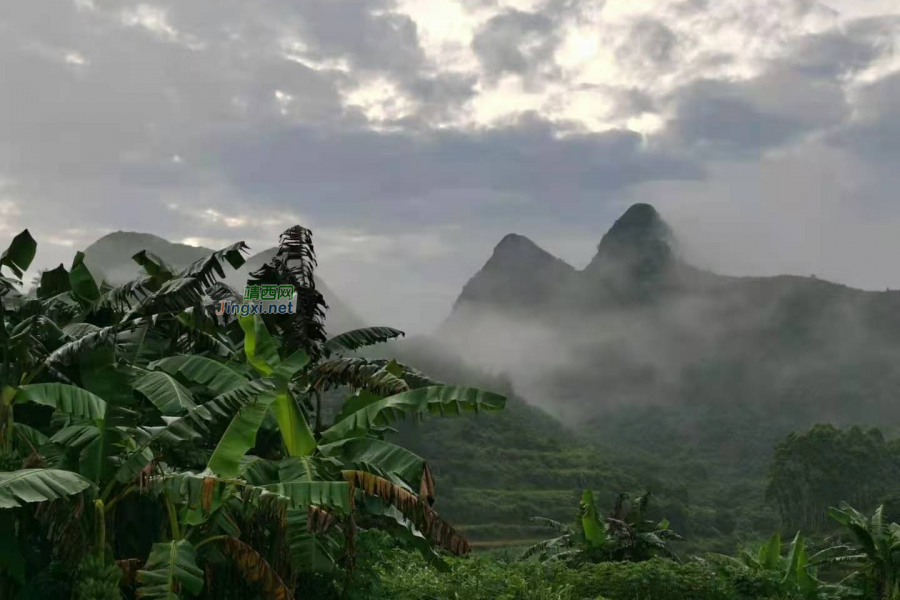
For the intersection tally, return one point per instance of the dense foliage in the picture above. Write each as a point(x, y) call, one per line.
point(624, 535)
point(155, 448)
point(151, 448)
point(814, 470)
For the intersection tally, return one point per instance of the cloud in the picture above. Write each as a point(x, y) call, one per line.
point(812, 210)
point(875, 130)
point(720, 117)
point(524, 158)
point(517, 42)
point(428, 129)
point(815, 86)
point(650, 43)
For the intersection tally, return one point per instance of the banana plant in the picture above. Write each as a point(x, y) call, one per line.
point(624, 535)
point(877, 548)
point(367, 474)
point(163, 304)
point(795, 572)
point(402, 478)
point(141, 389)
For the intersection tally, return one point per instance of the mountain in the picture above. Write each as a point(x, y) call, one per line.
point(518, 274)
point(497, 469)
point(640, 326)
point(109, 258)
point(681, 378)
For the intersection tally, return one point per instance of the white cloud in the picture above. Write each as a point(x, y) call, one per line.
point(152, 18)
point(380, 100)
point(155, 20)
point(205, 242)
point(58, 241)
point(75, 58)
point(9, 208)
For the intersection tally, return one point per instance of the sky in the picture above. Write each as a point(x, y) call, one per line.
point(412, 135)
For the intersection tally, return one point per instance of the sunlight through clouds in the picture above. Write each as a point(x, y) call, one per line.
point(155, 20)
point(600, 47)
point(152, 19)
point(380, 100)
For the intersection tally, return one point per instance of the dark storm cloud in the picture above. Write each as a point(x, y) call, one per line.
point(177, 108)
point(377, 41)
point(874, 130)
point(691, 7)
point(524, 43)
point(374, 38)
point(571, 10)
point(833, 53)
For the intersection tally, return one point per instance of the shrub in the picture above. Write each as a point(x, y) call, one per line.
point(750, 585)
point(656, 579)
point(405, 576)
point(391, 573)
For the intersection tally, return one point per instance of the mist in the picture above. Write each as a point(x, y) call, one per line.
point(794, 344)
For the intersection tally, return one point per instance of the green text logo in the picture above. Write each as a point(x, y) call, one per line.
point(268, 292)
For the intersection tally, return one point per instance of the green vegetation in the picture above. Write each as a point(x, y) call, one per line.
point(403, 576)
point(150, 448)
point(824, 466)
point(198, 442)
point(623, 536)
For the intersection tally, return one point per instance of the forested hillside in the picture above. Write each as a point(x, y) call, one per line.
point(682, 378)
point(499, 471)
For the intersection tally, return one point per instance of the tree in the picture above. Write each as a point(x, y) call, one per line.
point(139, 398)
point(819, 468)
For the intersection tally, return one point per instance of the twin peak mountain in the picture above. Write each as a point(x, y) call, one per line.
point(635, 263)
point(642, 325)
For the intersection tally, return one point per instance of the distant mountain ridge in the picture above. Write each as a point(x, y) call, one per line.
point(109, 258)
point(641, 326)
point(634, 262)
